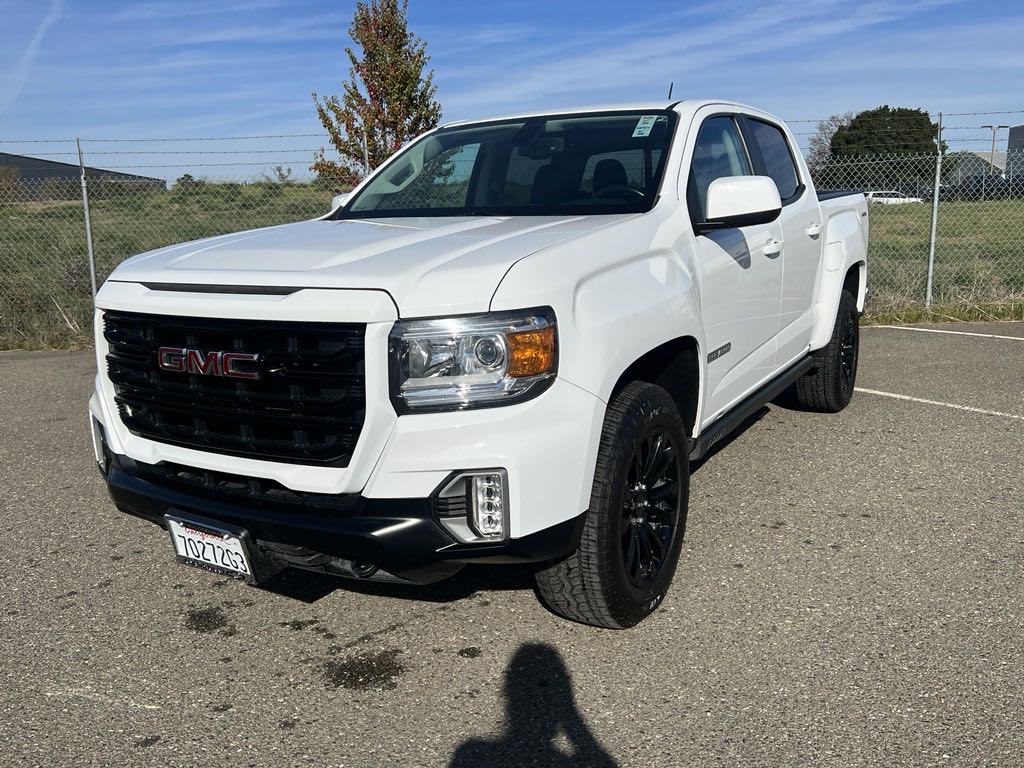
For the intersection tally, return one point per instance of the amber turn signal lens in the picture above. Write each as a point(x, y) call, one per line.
point(531, 353)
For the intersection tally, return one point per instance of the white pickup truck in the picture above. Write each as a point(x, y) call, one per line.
point(505, 346)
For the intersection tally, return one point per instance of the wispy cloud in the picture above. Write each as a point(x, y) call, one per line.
point(643, 64)
point(323, 27)
point(155, 11)
point(14, 83)
point(193, 68)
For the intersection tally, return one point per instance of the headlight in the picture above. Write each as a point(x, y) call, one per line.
point(472, 362)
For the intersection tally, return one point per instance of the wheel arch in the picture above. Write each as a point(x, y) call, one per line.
point(855, 281)
point(675, 366)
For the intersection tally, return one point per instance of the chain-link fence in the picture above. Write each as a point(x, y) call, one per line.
point(978, 243)
point(45, 293)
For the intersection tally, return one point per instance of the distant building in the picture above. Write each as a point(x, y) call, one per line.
point(1016, 140)
point(1015, 153)
point(969, 163)
point(35, 169)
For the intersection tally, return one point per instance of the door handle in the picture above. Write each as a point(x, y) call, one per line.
point(772, 249)
point(814, 230)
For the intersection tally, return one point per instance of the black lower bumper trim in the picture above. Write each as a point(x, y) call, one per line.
point(399, 536)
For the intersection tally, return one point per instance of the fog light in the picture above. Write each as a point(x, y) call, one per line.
point(473, 506)
point(489, 505)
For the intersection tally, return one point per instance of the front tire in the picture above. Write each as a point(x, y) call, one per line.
point(634, 529)
point(828, 386)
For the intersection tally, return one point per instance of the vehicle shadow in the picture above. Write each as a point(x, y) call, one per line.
point(310, 586)
point(540, 717)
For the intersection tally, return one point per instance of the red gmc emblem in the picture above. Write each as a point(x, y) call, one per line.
point(185, 360)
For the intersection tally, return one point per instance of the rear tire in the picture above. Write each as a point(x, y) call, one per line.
point(634, 528)
point(828, 386)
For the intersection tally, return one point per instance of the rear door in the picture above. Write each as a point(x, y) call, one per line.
point(774, 155)
point(740, 273)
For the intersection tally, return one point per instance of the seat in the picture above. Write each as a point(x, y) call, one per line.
point(609, 173)
point(545, 189)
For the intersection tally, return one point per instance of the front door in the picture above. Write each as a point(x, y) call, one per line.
point(740, 275)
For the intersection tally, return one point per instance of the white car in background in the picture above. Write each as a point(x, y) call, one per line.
point(891, 197)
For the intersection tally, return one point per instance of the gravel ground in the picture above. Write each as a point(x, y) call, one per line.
point(850, 594)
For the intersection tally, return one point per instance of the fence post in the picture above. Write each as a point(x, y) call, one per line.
point(935, 218)
point(88, 220)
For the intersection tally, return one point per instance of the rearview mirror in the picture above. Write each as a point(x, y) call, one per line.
point(740, 201)
point(542, 149)
point(339, 200)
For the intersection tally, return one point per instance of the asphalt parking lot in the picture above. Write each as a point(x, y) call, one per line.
point(850, 594)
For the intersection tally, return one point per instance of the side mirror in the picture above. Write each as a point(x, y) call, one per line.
point(339, 200)
point(740, 201)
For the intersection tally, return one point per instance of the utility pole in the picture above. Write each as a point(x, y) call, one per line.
point(992, 156)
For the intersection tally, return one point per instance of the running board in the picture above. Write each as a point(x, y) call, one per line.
point(747, 407)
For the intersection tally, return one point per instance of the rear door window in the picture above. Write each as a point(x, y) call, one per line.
point(777, 157)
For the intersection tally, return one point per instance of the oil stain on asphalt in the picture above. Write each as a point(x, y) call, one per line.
point(365, 671)
point(206, 620)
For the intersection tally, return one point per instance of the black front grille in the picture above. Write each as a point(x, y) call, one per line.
point(224, 487)
point(307, 407)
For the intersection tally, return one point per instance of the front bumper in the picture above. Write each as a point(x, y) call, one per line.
point(547, 446)
point(357, 535)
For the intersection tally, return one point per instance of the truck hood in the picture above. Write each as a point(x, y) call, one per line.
point(429, 266)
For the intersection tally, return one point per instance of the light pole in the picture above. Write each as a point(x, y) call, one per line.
point(992, 155)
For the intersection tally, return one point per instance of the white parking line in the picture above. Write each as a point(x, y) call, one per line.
point(953, 333)
point(938, 402)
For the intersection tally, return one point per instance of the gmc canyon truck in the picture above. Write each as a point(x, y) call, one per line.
point(506, 345)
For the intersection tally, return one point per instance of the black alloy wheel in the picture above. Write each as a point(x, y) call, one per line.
point(650, 512)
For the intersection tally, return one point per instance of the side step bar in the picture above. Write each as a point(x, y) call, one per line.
point(728, 421)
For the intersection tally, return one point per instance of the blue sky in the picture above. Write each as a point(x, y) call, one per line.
point(199, 68)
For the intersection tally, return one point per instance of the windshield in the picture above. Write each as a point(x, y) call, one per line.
point(578, 164)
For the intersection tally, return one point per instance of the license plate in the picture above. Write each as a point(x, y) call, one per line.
point(210, 547)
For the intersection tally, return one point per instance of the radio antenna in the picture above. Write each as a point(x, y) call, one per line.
point(670, 89)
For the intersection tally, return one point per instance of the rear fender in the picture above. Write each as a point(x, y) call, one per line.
point(845, 248)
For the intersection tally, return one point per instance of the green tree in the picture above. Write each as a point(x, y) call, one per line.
point(388, 98)
point(886, 131)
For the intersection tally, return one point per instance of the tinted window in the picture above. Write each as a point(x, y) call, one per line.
point(719, 152)
point(777, 158)
point(442, 182)
point(631, 161)
point(559, 164)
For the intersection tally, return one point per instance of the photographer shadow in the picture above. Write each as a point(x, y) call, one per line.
point(539, 709)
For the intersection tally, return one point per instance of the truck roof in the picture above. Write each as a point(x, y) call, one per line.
point(639, 106)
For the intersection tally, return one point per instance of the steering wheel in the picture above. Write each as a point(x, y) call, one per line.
point(619, 190)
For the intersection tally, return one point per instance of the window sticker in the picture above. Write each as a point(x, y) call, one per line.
point(644, 126)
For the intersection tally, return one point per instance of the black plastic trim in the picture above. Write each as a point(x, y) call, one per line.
point(732, 418)
point(253, 290)
point(399, 535)
point(832, 194)
point(734, 222)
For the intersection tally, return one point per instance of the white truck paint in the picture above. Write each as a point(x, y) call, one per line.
point(629, 283)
